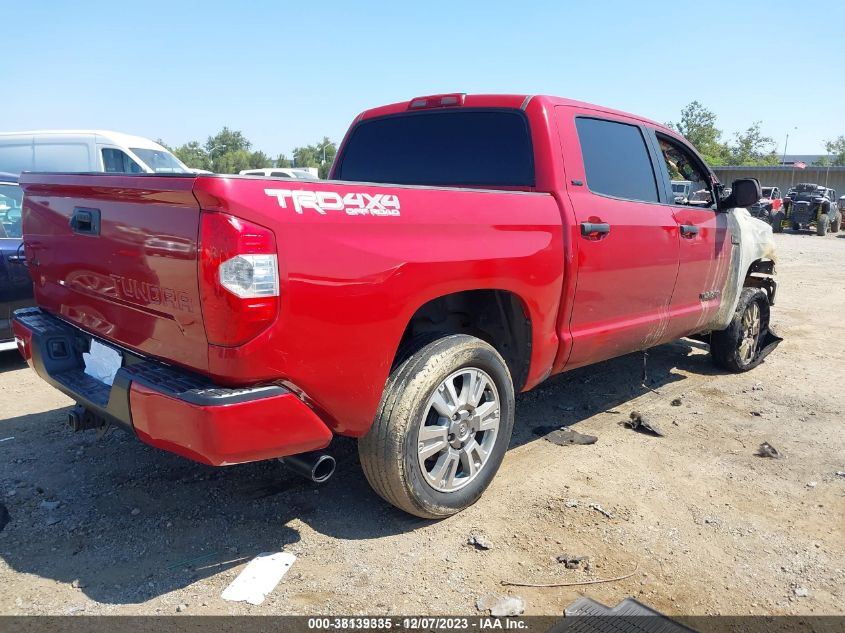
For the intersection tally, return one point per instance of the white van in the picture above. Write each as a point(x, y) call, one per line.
point(85, 151)
point(301, 173)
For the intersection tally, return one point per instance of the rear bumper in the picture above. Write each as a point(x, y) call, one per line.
point(171, 408)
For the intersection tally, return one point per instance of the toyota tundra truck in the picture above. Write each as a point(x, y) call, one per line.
point(465, 248)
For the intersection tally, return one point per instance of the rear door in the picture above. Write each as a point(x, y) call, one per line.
point(627, 238)
point(15, 286)
point(704, 237)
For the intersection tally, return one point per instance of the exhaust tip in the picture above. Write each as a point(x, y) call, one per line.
point(316, 467)
point(323, 468)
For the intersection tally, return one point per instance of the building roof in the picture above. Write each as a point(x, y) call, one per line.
point(807, 159)
point(788, 167)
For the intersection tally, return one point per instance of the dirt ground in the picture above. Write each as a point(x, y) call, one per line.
point(708, 526)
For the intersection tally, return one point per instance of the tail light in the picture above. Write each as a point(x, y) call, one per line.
point(239, 278)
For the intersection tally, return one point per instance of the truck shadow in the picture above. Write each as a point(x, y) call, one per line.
point(11, 360)
point(133, 523)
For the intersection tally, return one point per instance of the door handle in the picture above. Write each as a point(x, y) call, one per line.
point(85, 221)
point(689, 230)
point(591, 228)
point(19, 255)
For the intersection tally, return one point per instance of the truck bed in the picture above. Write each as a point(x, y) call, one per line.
point(355, 261)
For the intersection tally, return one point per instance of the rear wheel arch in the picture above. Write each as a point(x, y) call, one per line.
point(499, 317)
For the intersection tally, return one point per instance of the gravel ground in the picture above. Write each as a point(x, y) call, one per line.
point(110, 526)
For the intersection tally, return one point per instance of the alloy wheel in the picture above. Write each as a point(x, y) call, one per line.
point(458, 429)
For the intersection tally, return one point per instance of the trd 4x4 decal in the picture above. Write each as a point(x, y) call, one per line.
point(322, 201)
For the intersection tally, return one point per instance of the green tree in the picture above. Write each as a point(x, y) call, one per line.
point(229, 151)
point(231, 162)
point(193, 155)
point(752, 147)
point(259, 159)
point(320, 155)
point(227, 140)
point(698, 126)
point(836, 149)
point(305, 157)
point(329, 151)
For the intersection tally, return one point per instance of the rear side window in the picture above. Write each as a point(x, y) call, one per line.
point(16, 158)
point(71, 157)
point(474, 148)
point(616, 160)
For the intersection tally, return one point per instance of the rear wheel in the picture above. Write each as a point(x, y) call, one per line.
point(777, 221)
point(738, 346)
point(442, 429)
point(823, 224)
point(836, 223)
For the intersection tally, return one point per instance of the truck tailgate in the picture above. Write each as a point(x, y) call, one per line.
point(117, 256)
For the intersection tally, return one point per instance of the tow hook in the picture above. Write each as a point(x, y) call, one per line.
point(81, 419)
point(317, 467)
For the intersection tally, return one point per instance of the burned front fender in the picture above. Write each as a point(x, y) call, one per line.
point(753, 253)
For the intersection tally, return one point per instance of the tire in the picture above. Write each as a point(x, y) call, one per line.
point(777, 222)
point(442, 483)
point(836, 223)
point(726, 346)
point(823, 224)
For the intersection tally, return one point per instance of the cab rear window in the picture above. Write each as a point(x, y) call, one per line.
point(466, 147)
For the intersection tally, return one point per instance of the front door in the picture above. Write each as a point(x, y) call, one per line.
point(625, 237)
point(704, 237)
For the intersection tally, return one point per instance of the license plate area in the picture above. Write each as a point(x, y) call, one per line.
point(102, 362)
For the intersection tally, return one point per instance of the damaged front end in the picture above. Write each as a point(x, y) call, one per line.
point(752, 265)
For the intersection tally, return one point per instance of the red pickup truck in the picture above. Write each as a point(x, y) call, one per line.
point(466, 247)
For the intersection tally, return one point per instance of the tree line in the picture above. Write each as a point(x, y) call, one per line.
point(751, 147)
point(229, 151)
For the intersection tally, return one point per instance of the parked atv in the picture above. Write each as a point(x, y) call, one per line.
point(767, 206)
point(809, 206)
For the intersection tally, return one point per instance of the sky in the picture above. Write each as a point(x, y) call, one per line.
point(288, 73)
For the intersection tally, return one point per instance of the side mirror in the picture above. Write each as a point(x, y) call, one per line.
point(744, 193)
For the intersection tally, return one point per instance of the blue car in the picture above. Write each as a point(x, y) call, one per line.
point(15, 284)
